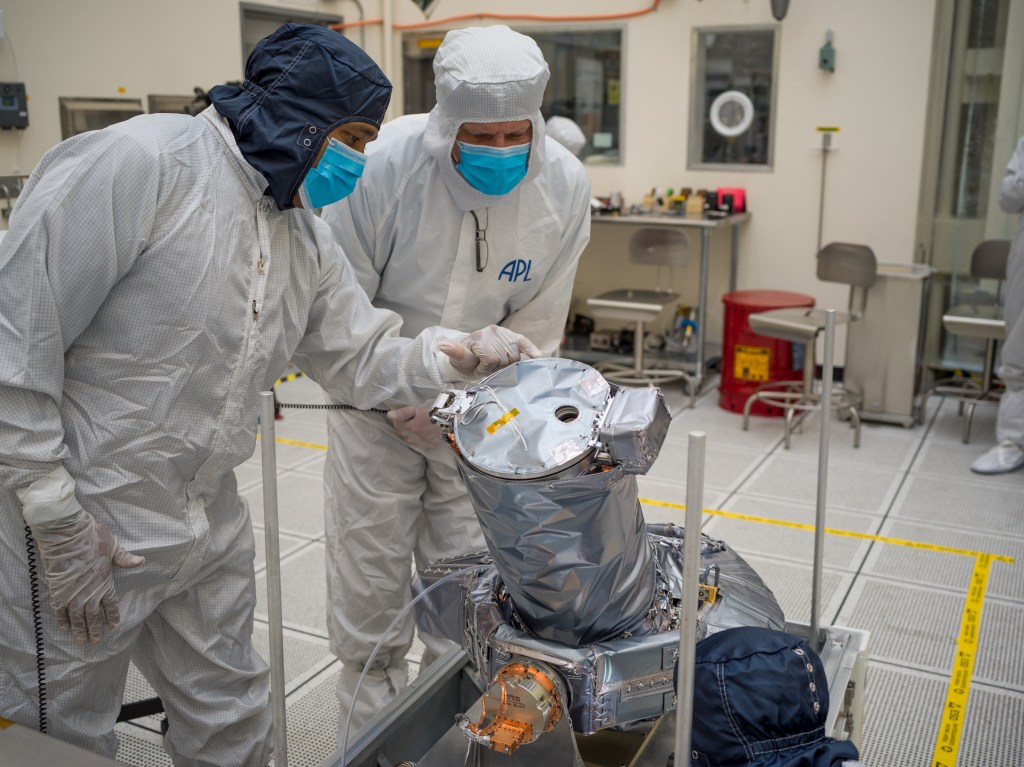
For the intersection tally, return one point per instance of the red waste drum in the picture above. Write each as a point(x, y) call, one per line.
point(749, 360)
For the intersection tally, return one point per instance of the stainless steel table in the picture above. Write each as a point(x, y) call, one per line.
point(706, 226)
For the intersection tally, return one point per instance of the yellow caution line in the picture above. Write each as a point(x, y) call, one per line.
point(298, 443)
point(289, 377)
point(955, 710)
point(834, 531)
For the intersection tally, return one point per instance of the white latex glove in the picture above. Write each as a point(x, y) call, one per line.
point(415, 428)
point(487, 350)
point(78, 555)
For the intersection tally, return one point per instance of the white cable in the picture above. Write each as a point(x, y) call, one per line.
point(505, 411)
point(376, 649)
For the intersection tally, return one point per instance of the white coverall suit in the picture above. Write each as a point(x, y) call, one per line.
point(410, 236)
point(1010, 421)
point(171, 293)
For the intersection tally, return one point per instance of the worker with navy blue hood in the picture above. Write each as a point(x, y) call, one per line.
point(760, 699)
point(156, 276)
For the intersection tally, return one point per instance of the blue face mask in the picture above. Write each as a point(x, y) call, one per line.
point(334, 177)
point(492, 170)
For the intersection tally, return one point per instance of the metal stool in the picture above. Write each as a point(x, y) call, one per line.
point(853, 265)
point(988, 261)
point(653, 247)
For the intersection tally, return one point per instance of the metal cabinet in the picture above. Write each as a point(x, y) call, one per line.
point(885, 348)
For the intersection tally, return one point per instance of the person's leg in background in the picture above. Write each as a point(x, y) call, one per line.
point(447, 527)
point(1008, 454)
point(373, 485)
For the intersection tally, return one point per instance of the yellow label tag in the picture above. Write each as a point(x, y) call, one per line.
point(4, 724)
point(752, 363)
point(502, 421)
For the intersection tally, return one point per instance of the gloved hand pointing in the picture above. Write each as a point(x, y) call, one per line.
point(414, 426)
point(78, 555)
point(487, 350)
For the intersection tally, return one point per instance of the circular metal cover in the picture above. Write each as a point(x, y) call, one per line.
point(533, 419)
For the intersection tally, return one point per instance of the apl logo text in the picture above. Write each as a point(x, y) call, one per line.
point(516, 269)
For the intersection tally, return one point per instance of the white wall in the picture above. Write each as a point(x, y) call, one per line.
point(877, 96)
point(110, 49)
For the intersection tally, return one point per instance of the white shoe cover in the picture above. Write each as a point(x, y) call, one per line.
point(380, 688)
point(1003, 458)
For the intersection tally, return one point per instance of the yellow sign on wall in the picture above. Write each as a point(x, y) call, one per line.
point(613, 92)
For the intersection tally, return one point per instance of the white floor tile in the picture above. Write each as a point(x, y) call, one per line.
point(303, 591)
point(797, 544)
point(300, 504)
point(867, 489)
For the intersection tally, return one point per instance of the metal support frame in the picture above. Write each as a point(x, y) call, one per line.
point(702, 311)
point(424, 710)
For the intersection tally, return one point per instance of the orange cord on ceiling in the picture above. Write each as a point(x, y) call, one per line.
point(502, 16)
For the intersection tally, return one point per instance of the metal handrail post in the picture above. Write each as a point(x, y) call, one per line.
point(690, 590)
point(819, 512)
point(273, 546)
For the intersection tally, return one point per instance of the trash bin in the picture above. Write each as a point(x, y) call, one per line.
point(748, 359)
point(885, 348)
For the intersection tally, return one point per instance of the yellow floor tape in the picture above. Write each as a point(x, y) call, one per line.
point(955, 709)
point(289, 377)
point(947, 745)
point(835, 531)
point(298, 443)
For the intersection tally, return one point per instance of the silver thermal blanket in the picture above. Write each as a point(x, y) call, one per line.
point(549, 451)
point(611, 682)
point(572, 576)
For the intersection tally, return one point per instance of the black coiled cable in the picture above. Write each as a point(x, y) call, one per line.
point(320, 406)
point(311, 406)
point(37, 624)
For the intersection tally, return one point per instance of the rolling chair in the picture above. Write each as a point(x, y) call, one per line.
point(977, 320)
point(649, 247)
point(853, 265)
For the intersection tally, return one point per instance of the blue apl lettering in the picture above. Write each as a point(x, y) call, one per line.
point(515, 269)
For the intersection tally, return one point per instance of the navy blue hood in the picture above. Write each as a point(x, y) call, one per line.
point(761, 700)
point(301, 82)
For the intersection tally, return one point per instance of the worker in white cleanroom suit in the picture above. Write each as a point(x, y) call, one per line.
point(467, 215)
point(1008, 454)
point(567, 133)
point(156, 276)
